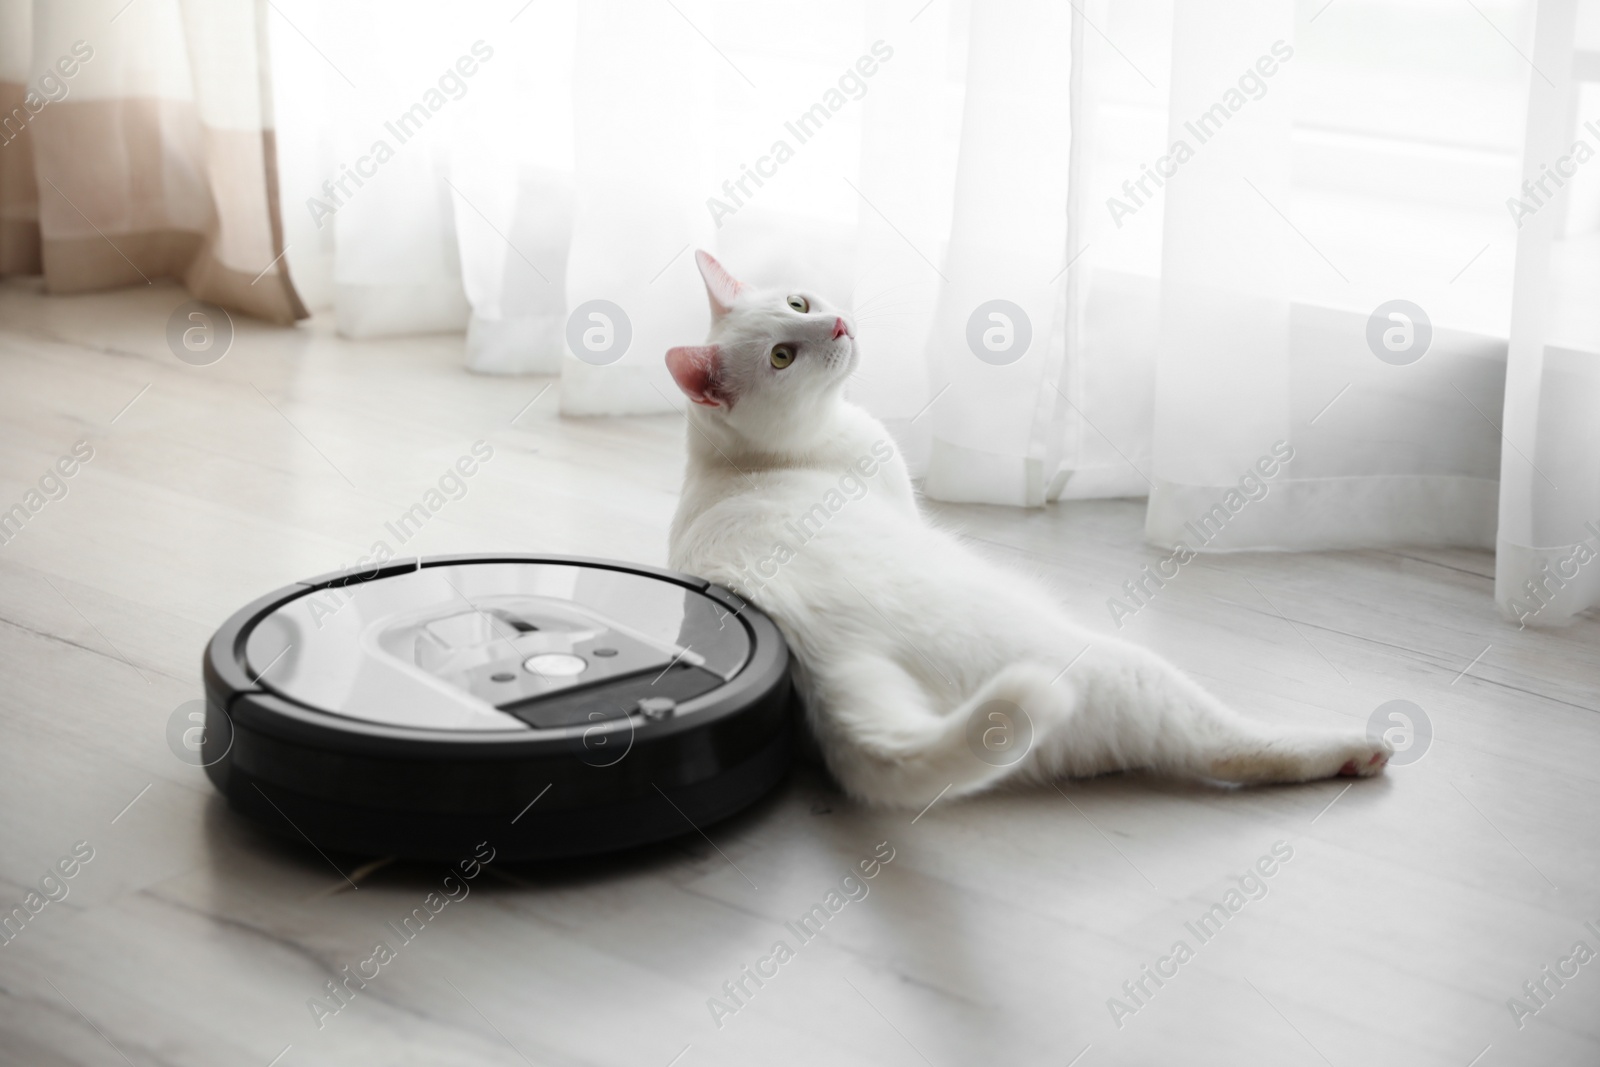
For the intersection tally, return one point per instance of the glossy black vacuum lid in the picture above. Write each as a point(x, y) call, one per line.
point(497, 646)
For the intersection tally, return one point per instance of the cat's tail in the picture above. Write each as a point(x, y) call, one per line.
point(893, 748)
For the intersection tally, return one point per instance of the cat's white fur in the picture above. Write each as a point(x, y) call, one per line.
point(905, 636)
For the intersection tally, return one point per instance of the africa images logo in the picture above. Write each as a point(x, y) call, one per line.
point(737, 992)
point(807, 125)
point(1254, 485)
point(1202, 128)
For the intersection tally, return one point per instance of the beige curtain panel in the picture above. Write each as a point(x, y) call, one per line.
point(136, 143)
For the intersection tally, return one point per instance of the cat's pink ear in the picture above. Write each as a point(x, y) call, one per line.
point(721, 286)
point(698, 371)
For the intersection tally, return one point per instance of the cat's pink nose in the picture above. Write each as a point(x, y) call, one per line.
point(840, 329)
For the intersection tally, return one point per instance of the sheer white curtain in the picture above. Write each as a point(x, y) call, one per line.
point(1311, 201)
point(401, 151)
point(1322, 195)
point(1139, 248)
point(909, 157)
point(137, 143)
point(1547, 567)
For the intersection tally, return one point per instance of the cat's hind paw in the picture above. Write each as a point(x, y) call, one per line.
point(1305, 757)
point(1374, 764)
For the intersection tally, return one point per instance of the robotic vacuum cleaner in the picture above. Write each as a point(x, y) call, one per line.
point(552, 706)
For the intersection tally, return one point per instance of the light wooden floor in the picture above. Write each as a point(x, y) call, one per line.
point(1413, 907)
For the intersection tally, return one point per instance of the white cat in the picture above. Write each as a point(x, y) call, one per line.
point(915, 653)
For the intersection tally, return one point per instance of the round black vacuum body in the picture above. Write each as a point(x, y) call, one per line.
point(550, 706)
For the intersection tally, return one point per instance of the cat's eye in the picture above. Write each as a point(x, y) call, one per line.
point(782, 355)
point(800, 303)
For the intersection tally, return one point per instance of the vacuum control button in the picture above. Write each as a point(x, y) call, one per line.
point(657, 708)
point(555, 665)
